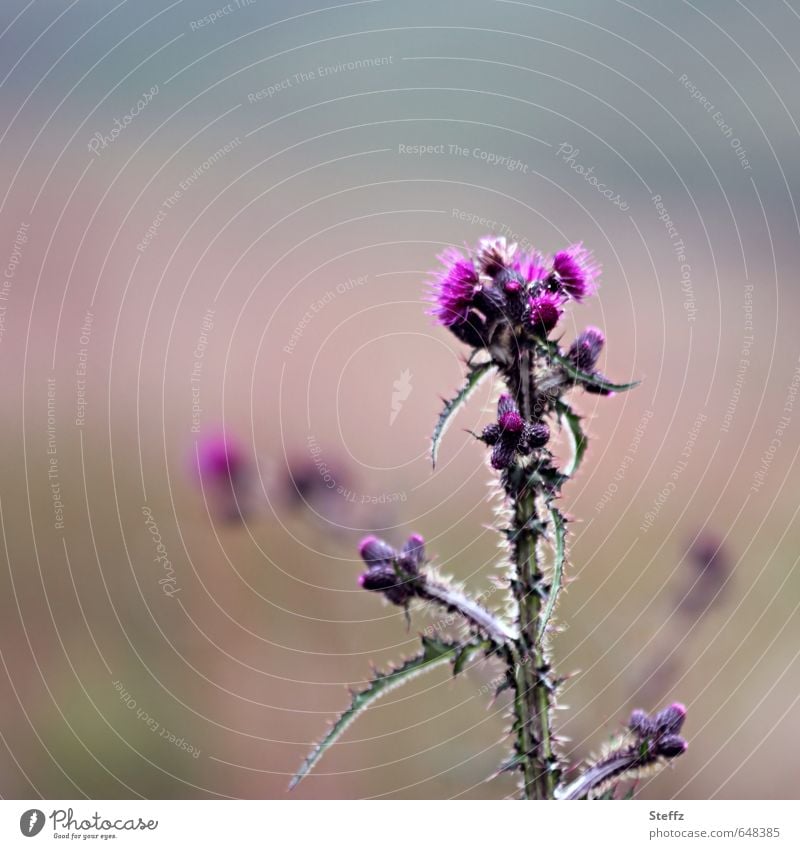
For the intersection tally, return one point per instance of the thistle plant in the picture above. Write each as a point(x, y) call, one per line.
point(506, 306)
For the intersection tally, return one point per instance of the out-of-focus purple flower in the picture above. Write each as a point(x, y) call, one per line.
point(576, 272)
point(219, 457)
point(711, 568)
point(224, 474)
point(453, 288)
point(585, 350)
point(544, 312)
point(512, 435)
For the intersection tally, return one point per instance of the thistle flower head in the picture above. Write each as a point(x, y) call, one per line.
point(652, 741)
point(658, 736)
point(512, 435)
point(532, 267)
point(495, 254)
point(453, 288)
point(575, 272)
point(544, 312)
point(389, 571)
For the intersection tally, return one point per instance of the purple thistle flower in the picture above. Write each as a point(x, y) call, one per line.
point(576, 272)
point(495, 255)
point(512, 435)
point(453, 288)
point(532, 267)
point(544, 312)
point(585, 350)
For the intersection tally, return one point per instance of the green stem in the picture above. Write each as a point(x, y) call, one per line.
point(532, 673)
point(533, 703)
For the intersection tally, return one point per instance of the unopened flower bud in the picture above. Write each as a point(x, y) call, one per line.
point(585, 350)
point(670, 720)
point(375, 551)
point(413, 553)
point(640, 723)
point(671, 746)
point(536, 435)
point(378, 579)
point(491, 433)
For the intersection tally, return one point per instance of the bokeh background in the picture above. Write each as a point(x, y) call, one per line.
point(213, 219)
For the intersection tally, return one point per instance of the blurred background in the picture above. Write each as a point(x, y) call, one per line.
point(216, 222)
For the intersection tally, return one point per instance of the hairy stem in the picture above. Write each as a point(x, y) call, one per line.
point(532, 675)
point(477, 616)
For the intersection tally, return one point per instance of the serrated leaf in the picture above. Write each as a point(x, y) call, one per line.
point(559, 533)
point(434, 653)
point(475, 376)
point(571, 422)
point(585, 377)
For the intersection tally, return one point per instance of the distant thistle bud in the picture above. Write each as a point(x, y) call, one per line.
point(671, 746)
point(392, 572)
point(413, 553)
point(378, 579)
point(671, 719)
point(640, 723)
point(585, 350)
point(375, 551)
point(575, 272)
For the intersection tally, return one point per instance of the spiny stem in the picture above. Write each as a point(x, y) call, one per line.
point(454, 601)
point(533, 683)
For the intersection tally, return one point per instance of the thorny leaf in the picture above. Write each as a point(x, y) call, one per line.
point(475, 375)
point(571, 422)
point(559, 532)
point(434, 653)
